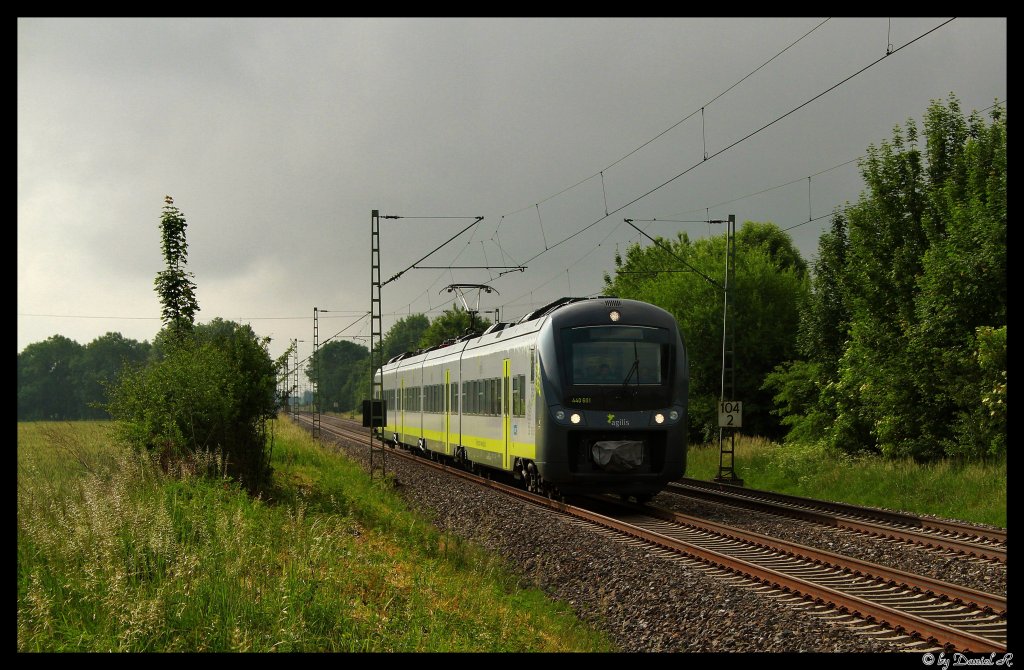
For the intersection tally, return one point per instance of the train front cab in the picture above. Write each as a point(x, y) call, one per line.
point(614, 386)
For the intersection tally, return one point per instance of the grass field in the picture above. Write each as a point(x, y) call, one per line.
point(114, 555)
point(975, 492)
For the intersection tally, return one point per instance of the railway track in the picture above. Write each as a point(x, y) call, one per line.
point(960, 538)
point(938, 615)
point(944, 613)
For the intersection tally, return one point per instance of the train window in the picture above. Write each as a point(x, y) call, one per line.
point(616, 355)
point(515, 395)
point(519, 395)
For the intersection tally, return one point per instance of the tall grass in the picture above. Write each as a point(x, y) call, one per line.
point(115, 555)
point(973, 492)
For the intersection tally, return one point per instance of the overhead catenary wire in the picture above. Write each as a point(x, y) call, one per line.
point(812, 219)
point(673, 126)
point(739, 141)
point(476, 220)
point(676, 256)
point(549, 246)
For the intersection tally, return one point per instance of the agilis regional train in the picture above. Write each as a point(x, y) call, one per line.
point(579, 396)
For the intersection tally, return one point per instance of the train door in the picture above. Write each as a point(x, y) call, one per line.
point(506, 409)
point(401, 408)
point(447, 411)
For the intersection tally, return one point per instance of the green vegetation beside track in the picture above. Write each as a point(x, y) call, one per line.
point(116, 555)
point(974, 492)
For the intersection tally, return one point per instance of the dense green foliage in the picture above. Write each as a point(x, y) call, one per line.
point(770, 283)
point(405, 335)
point(343, 371)
point(212, 391)
point(906, 324)
point(452, 324)
point(59, 379)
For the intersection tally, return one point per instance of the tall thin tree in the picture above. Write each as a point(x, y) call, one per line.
point(174, 285)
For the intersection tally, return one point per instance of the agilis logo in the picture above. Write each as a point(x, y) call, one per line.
point(612, 421)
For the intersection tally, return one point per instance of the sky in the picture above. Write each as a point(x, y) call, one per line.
point(277, 138)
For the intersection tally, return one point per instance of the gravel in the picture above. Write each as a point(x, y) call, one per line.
point(646, 599)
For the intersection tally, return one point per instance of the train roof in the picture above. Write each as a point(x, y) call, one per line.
point(582, 310)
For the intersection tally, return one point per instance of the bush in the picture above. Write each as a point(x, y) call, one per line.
point(212, 390)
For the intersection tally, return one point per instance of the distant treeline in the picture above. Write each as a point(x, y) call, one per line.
point(60, 379)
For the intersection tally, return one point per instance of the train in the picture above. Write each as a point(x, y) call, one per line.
point(580, 396)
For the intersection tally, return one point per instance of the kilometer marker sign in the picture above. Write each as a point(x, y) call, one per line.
point(730, 414)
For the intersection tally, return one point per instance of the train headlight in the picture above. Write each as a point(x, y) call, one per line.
point(560, 415)
point(673, 415)
point(614, 315)
point(575, 417)
point(659, 418)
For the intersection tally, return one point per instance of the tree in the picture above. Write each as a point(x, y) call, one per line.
point(912, 304)
point(452, 324)
point(405, 335)
point(174, 285)
point(344, 372)
point(48, 380)
point(825, 317)
point(212, 392)
point(102, 361)
point(958, 338)
point(213, 388)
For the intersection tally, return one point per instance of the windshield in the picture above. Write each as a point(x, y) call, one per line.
point(624, 355)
